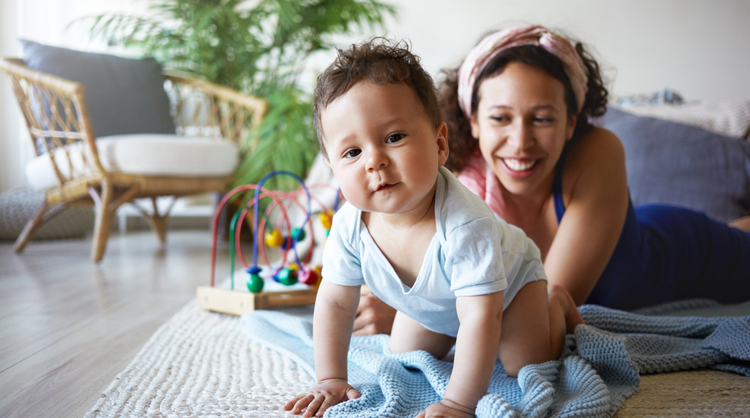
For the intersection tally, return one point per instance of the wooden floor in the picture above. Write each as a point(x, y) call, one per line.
point(68, 326)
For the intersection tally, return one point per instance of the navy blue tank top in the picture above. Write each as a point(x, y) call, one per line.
point(669, 253)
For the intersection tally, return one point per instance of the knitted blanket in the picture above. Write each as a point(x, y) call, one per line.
point(598, 369)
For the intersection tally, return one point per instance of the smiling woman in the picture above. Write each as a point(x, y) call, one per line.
point(518, 110)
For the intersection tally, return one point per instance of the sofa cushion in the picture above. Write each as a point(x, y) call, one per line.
point(674, 163)
point(726, 117)
point(123, 96)
point(143, 154)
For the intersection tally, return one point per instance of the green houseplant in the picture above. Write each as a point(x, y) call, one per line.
point(255, 46)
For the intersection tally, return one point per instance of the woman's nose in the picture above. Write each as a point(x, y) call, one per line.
point(521, 135)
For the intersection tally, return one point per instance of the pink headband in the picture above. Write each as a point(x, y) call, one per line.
point(490, 46)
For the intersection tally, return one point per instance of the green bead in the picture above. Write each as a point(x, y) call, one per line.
point(286, 277)
point(301, 233)
point(255, 283)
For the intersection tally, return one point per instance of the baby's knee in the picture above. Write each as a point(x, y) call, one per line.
point(512, 368)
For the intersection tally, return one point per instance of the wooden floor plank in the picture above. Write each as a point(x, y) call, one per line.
point(69, 375)
point(68, 326)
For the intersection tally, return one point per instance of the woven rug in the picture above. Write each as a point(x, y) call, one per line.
point(202, 364)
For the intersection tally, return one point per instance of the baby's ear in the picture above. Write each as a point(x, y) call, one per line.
point(442, 143)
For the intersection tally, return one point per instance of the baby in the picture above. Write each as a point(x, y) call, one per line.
point(420, 240)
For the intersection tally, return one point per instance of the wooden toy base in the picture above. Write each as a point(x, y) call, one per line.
point(235, 302)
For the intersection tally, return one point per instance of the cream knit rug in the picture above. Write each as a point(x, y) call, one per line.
point(201, 364)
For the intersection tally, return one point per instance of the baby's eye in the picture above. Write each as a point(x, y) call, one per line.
point(352, 153)
point(394, 138)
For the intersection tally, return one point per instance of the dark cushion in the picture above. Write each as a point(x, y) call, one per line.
point(123, 96)
point(673, 163)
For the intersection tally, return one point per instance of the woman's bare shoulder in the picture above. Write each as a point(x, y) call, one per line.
point(596, 165)
point(599, 142)
point(597, 151)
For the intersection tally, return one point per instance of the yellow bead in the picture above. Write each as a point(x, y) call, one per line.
point(326, 219)
point(274, 238)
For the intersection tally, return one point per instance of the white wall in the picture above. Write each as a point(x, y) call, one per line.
point(10, 122)
point(697, 47)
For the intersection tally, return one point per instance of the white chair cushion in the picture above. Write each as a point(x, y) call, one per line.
point(143, 154)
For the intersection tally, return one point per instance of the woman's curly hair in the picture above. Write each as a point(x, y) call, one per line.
point(462, 144)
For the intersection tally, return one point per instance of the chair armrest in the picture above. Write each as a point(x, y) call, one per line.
point(206, 109)
point(56, 116)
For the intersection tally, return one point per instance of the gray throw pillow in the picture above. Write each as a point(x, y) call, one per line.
point(123, 96)
point(673, 163)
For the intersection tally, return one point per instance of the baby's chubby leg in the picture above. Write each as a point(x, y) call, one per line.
point(409, 335)
point(534, 326)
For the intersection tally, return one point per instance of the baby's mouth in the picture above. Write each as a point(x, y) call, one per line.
point(384, 186)
point(518, 164)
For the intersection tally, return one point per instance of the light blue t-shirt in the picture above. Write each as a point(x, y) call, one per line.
point(472, 253)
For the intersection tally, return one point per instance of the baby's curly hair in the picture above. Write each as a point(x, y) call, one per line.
point(379, 61)
point(460, 141)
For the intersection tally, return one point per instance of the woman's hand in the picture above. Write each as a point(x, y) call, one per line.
point(446, 408)
point(321, 397)
point(373, 316)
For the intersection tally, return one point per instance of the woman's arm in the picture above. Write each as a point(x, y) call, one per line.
point(595, 193)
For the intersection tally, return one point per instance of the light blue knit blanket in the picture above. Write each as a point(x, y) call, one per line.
point(598, 370)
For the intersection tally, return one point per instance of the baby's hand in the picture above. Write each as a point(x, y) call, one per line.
point(446, 409)
point(321, 397)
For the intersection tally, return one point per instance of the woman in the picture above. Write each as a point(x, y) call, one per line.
point(518, 112)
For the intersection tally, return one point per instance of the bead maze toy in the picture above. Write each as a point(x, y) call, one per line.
point(285, 273)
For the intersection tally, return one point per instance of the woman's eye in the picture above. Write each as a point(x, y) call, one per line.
point(352, 153)
point(394, 138)
point(540, 119)
point(499, 118)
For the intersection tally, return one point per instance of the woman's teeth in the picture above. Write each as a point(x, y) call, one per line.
point(517, 165)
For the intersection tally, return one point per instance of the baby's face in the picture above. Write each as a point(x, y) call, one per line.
point(382, 147)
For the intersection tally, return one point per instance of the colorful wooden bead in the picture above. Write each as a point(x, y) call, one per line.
point(326, 218)
point(255, 283)
point(309, 277)
point(286, 277)
point(301, 233)
point(274, 238)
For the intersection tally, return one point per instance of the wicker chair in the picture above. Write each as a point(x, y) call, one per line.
point(199, 108)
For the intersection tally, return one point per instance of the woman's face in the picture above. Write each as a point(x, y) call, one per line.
point(522, 125)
